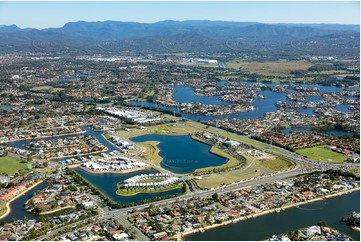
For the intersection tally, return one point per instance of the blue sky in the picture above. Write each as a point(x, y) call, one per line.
point(56, 14)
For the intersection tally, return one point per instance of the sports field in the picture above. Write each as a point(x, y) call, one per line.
point(10, 165)
point(320, 153)
point(270, 67)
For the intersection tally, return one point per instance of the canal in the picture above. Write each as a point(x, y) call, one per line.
point(88, 131)
point(18, 210)
point(107, 184)
point(186, 94)
point(262, 228)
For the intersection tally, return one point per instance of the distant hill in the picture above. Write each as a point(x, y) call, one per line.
point(167, 36)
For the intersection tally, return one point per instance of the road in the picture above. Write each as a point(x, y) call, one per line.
point(119, 213)
point(299, 169)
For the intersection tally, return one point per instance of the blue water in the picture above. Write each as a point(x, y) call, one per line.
point(5, 107)
point(18, 210)
point(181, 154)
point(97, 134)
point(262, 228)
point(295, 129)
point(65, 79)
point(78, 74)
point(107, 184)
point(335, 132)
point(186, 94)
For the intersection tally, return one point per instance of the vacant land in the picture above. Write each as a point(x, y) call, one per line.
point(232, 161)
point(46, 89)
point(271, 67)
point(151, 152)
point(245, 140)
point(320, 153)
point(253, 168)
point(10, 165)
point(165, 129)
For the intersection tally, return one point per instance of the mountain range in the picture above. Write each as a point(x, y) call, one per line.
point(170, 36)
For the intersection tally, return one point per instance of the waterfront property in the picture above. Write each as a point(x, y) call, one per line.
point(181, 154)
point(314, 233)
point(151, 180)
point(111, 164)
point(132, 116)
point(149, 183)
point(278, 202)
point(107, 183)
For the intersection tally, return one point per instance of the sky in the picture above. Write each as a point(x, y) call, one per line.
point(47, 14)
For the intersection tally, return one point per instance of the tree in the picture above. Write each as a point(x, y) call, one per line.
point(215, 196)
point(322, 223)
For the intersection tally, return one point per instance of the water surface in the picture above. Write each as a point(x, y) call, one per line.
point(181, 154)
point(263, 227)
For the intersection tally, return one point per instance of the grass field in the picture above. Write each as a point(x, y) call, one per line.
point(232, 161)
point(320, 153)
point(151, 152)
point(253, 168)
point(271, 67)
point(46, 89)
point(227, 77)
point(2, 208)
point(165, 129)
point(231, 136)
point(212, 65)
point(10, 166)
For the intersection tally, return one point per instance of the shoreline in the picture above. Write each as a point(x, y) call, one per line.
point(110, 171)
point(56, 210)
point(129, 195)
point(180, 237)
point(8, 208)
point(73, 156)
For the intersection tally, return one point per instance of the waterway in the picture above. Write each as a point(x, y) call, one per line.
point(335, 132)
point(263, 227)
point(181, 154)
point(187, 94)
point(107, 184)
point(88, 131)
point(18, 210)
point(78, 75)
point(5, 107)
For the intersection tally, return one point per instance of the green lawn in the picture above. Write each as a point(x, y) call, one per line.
point(10, 166)
point(46, 89)
point(253, 168)
point(269, 67)
point(320, 153)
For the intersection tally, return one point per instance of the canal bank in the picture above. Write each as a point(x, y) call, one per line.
point(16, 206)
point(331, 209)
point(107, 183)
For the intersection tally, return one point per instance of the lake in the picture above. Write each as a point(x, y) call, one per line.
point(262, 228)
point(107, 184)
point(181, 154)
